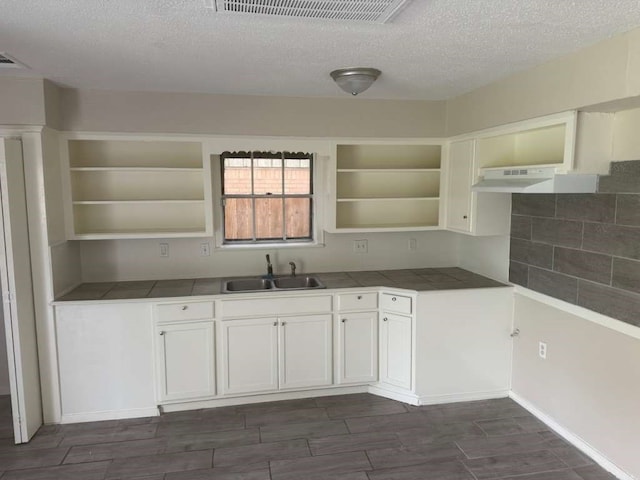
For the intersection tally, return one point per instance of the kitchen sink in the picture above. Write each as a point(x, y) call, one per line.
point(244, 285)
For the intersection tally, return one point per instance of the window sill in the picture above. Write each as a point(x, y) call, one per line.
point(269, 246)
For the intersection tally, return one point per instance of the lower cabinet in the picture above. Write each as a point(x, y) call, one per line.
point(357, 344)
point(186, 360)
point(396, 356)
point(269, 354)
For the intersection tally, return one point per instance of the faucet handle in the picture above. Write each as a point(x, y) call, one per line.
point(293, 268)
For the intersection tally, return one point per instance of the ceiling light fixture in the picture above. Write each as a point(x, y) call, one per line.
point(355, 80)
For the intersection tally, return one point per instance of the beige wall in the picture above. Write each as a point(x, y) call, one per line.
point(105, 111)
point(606, 71)
point(22, 101)
point(589, 382)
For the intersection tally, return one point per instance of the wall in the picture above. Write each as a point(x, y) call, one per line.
point(488, 256)
point(583, 249)
point(109, 260)
point(105, 111)
point(588, 383)
point(604, 72)
point(4, 360)
point(22, 101)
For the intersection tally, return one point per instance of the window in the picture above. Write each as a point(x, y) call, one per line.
point(267, 197)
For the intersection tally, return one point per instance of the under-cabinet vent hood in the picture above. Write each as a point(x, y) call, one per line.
point(534, 180)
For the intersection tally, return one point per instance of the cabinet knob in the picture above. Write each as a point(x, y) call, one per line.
point(385, 319)
point(359, 297)
point(162, 333)
point(344, 320)
point(275, 324)
point(393, 299)
point(464, 216)
point(284, 323)
point(184, 307)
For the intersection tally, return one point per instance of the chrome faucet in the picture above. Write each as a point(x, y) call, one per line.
point(293, 269)
point(269, 267)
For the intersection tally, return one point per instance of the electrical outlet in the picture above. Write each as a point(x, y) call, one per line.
point(360, 246)
point(164, 249)
point(413, 244)
point(542, 350)
point(205, 249)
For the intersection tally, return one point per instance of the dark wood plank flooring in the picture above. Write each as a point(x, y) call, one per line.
point(348, 437)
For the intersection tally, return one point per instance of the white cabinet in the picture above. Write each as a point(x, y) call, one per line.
point(386, 186)
point(467, 211)
point(357, 347)
point(118, 187)
point(268, 354)
point(186, 360)
point(396, 352)
point(105, 361)
point(185, 351)
point(250, 355)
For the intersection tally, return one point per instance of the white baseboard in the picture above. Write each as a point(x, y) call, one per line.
point(109, 415)
point(393, 394)
point(573, 439)
point(462, 397)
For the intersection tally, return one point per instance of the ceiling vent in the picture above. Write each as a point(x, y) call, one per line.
point(8, 62)
point(378, 11)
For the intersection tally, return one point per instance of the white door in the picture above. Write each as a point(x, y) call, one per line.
point(17, 295)
point(395, 350)
point(186, 360)
point(305, 351)
point(250, 355)
point(358, 344)
point(459, 192)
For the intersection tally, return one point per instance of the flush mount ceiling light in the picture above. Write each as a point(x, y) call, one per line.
point(355, 80)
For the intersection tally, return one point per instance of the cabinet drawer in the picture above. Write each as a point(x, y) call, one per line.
point(395, 303)
point(357, 301)
point(251, 307)
point(184, 311)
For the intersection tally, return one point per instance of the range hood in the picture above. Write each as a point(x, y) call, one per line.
point(534, 180)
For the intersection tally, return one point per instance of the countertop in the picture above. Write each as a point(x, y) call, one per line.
point(422, 279)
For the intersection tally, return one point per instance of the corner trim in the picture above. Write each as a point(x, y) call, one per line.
point(572, 438)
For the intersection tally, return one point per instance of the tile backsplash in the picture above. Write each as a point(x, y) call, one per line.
point(580, 248)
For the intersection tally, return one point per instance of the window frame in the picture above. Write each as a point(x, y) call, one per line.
point(316, 209)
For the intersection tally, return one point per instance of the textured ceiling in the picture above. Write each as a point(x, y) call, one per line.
point(434, 49)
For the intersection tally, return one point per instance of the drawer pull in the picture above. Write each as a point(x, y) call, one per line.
point(393, 299)
point(284, 323)
point(385, 319)
point(359, 297)
point(184, 307)
point(275, 324)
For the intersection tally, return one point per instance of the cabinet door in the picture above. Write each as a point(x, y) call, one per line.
point(186, 360)
point(395, 350)
point(358, 347)
point(459, 191)
point(250, 355)
point(305, 351)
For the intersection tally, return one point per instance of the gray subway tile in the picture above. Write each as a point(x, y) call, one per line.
point(553, 284)
point(626, 274)
point(521, 226)
point(566, 233)
point(628, 210)
point(590, 266)
point(531, 253)
point(616, 184)
point(587, 206)
point(625, 168)
point(536, 205)
point(612, 239)
point(609, 301)
point(519, 273)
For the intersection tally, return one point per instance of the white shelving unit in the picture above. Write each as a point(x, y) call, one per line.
point(136, 188)
point(387, 187)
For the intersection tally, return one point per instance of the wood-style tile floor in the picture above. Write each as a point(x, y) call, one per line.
point(349, 437)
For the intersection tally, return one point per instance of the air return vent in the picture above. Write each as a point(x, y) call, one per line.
point(8, 62)
point(379, 11)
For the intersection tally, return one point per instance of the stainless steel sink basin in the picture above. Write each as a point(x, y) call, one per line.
point(291, 283)
point(245, 285)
